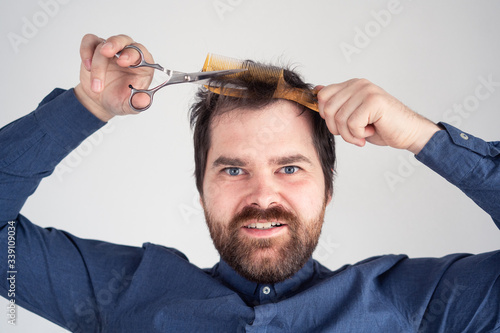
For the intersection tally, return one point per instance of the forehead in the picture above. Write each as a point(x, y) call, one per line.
point(277, 127)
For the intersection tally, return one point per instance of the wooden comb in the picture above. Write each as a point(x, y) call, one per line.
point(270, 75)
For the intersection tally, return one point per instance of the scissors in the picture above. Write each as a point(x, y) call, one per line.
point(174, 77)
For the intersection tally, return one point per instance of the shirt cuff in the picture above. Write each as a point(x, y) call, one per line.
point(65, 119)
point(453, 153)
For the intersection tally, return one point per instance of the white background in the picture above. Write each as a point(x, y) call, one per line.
point(133, 183)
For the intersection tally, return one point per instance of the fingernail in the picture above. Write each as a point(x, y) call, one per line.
point(87, 63)
point(107, 45)
point(96, 85)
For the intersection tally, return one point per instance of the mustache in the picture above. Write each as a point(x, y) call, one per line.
point(278, 213)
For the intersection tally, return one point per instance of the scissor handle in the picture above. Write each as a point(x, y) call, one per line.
point(174, 77)
point(134, 92)
point(142, 62)
point(149, 92)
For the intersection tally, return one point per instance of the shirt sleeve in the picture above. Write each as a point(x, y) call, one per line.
point(468, 162)
point(62, 278)
point(459, 292)
point(32, 146)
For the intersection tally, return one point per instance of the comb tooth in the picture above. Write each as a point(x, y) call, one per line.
point(271, 75)
point(254, 71)
point(216, 62)
point(263, 73)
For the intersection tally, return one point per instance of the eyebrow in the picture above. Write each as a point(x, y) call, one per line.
point(291, 159)
point(224, 160)
point(284, 160)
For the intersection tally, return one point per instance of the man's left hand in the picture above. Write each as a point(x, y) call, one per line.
point(360, 111)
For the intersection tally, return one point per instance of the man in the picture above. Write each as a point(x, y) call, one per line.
point(264, 209)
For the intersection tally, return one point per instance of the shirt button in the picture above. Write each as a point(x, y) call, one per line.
point(266, 290)
point(464, 136)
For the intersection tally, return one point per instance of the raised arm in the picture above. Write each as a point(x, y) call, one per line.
point(56, 274)
point(458, 292)
point(360, 111)
point(31, 147)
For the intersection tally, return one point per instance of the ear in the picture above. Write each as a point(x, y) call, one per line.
point(201, 202)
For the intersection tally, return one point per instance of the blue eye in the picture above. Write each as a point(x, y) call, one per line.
point(233, 171)
point(289, 169)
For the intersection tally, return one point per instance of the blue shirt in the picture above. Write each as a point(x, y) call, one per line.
point(93, 286)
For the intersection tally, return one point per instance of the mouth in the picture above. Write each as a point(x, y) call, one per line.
point(264, 229)
point(264, 225)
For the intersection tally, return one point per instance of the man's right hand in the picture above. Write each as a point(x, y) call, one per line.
point(105, 79)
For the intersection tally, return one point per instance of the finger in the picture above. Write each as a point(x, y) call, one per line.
point(361, 121)
point(318, 88)
point(104, 52)
point(87, 49)
point(141, 101)
point(98, 70)
point(327, 91)
point(115, 44)
point(315, 91)
point(323, 95)
point(356, 119)
point(130, 57)
point(349, 121)
point(331, 100)
point(326, 94)
point(332, 126)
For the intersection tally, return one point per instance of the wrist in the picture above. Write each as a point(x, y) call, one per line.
point(425, 134)
point(91, 105)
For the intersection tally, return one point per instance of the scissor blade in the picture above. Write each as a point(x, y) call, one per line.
point(199, 76)
point(208, 75)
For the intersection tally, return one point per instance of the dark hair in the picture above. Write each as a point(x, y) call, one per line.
point(255, 92)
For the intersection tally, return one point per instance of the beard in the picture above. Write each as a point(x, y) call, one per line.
point(266, 260)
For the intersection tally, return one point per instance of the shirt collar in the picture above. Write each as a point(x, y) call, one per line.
point(257, 293)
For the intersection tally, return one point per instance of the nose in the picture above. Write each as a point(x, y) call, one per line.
point(263, 191)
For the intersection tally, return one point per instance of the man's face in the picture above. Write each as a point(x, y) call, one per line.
point(264, 191)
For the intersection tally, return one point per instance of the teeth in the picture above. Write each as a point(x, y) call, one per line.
point(265, 225)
